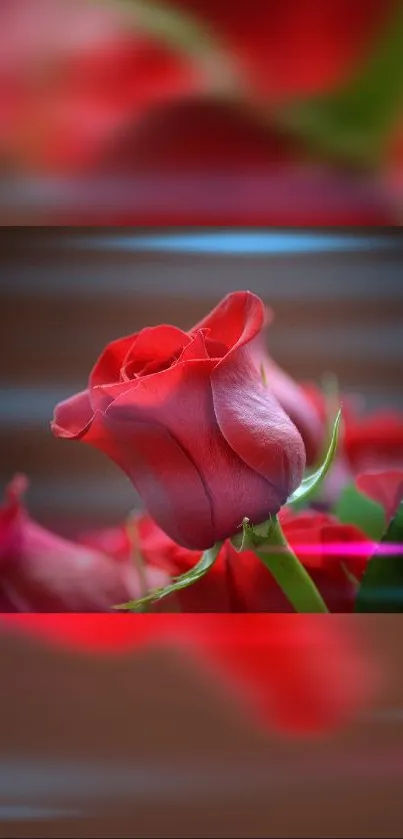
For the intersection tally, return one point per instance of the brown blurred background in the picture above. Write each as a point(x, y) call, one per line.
point(143, 745)
point(64, 293)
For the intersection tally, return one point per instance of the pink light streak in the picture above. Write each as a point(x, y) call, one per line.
point(344, 549)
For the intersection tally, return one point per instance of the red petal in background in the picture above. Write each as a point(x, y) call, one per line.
point(302, 674)
point(386, 488)
point(296, 47)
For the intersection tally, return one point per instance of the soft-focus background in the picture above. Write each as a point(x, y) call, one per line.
point(337, 300)
point(144, 742)
point(201, 112)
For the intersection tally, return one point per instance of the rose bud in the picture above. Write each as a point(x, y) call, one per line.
point(187, 417)
point(41, 572)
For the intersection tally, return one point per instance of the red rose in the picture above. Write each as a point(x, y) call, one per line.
point(187, 417)
point(333, 554)
point(40, 572)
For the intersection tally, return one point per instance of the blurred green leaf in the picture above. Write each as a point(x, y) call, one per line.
point(355, 508)
point(381, 588)
point(311, 483)
point(352, 123)
point(196, 573)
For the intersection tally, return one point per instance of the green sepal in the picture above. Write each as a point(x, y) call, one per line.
point(311, 483)
point(183, 581)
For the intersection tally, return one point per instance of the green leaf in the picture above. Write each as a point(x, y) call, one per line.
point(381, 588)
point(251, 535)
point(353, 123)
point(311, 483)
point(196, 573)
point(353, 507)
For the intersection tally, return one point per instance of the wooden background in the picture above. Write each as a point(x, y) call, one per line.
point(65, 293)
point(142, 745)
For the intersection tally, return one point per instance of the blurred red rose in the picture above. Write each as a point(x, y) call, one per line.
point(72, 76)
point(334, 554)
point(297, 46)
point(216, 161)
point(82, 91)
point(40, 572)
point(386, 488)
point(368, 443)
point(187, 417)
point(113, 541)
point(303, 676)
point(374, 442)
point(206, 161)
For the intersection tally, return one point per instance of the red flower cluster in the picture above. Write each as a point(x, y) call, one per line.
point(211, 431)
point(184, 96)
point(335, 555)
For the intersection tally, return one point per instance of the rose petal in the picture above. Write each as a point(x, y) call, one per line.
point(107, 368)
point(255, 425)
point(73, 416)
point(165, 477)
point(386, 488)
point(236, 320)
point(153, 348)
point(233, 488)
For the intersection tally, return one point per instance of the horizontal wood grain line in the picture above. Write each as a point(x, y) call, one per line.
point(67, 781)
point(203, 278)
point(37, 452)
point(334, 339)
point(84, 498)
point(139, 310)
